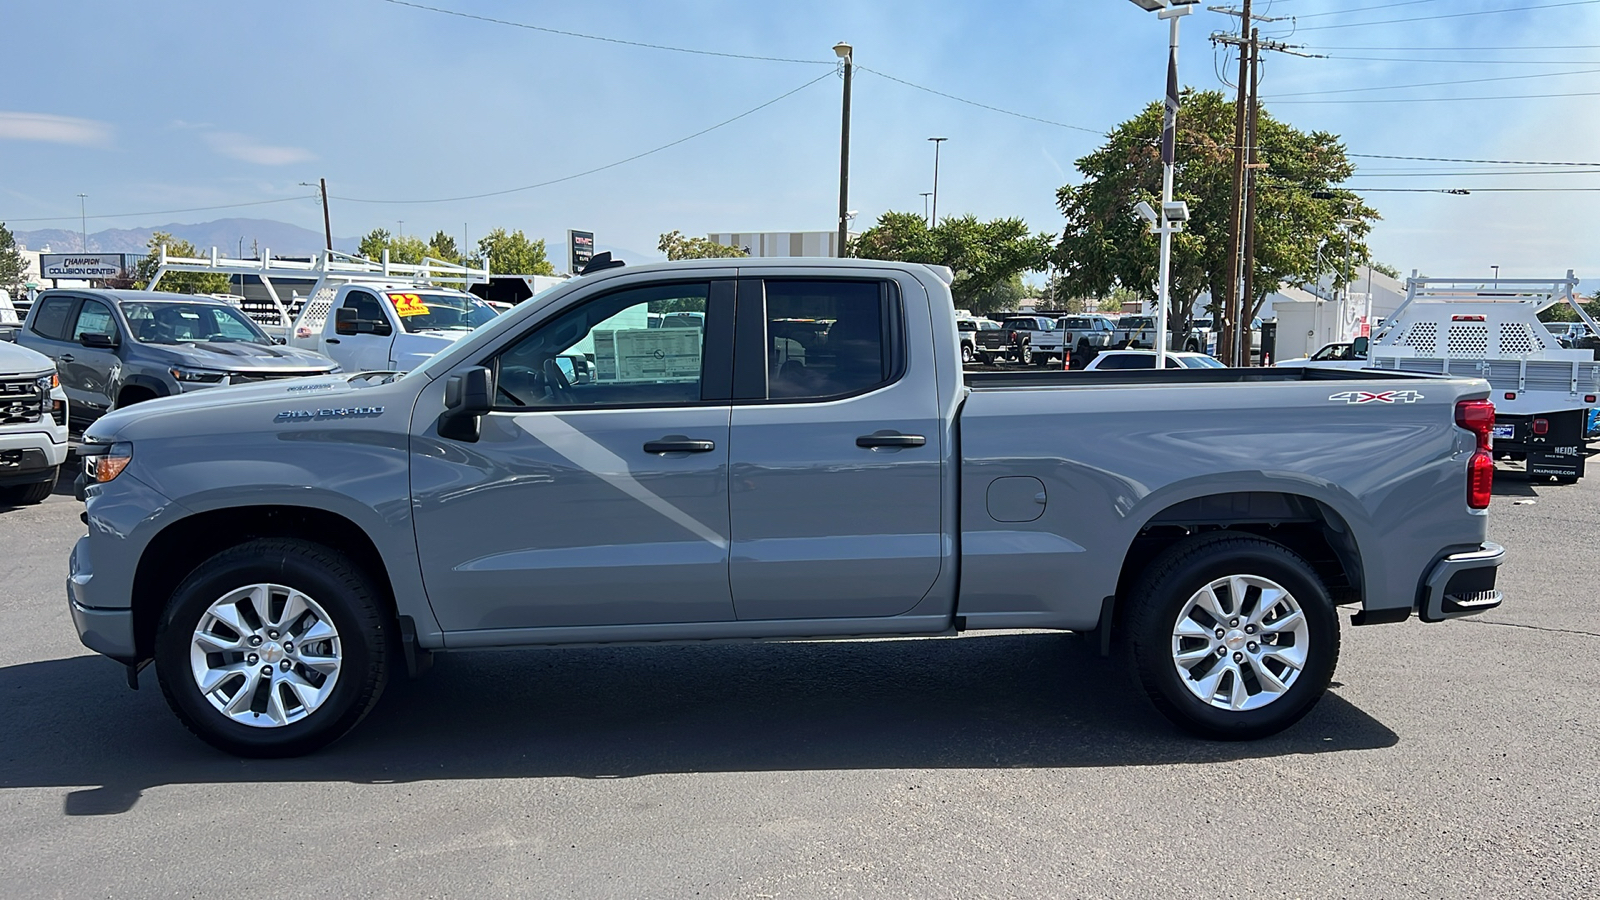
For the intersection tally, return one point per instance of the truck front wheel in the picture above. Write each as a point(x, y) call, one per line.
point(1233, 637)
point(272, 648)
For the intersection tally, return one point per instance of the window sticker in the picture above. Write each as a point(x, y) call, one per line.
point(408, 304)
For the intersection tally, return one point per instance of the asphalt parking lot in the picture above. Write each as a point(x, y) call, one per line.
point(1450, 760)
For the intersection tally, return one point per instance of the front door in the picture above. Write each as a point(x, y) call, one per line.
point(836, 453)
point(597, 494)
point(363, 351)
point(89, 374)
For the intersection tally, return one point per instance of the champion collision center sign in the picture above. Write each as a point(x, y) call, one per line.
point(80, 265)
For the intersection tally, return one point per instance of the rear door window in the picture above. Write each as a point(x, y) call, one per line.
point(50, 321)
point(828, 339)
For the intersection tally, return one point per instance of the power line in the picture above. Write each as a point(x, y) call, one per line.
point(163, 212)
point(1436, 48)
point(1476, 190)
point(1504, 162)
point(1344, 12)
point(1095, 131)
point(1469, 62)
point(1402, 87)
point(1368, 173)
point(607, 40)
point(1450, 99)
point(610, 165)
point(1461, 15)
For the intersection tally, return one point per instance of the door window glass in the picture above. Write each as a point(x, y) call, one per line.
point(51, 319)
point(366, 306)
point(639, 347)
point(94, 318)
point(825, 339)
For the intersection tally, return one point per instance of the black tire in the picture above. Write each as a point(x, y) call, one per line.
point(29, 494)
point(966, 354)
point(1162, 593)
point(367, 635)
point(1025, 354)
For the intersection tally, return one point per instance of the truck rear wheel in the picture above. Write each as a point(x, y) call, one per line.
point(1233, 637)
point(273, 648)
point(1025, 354)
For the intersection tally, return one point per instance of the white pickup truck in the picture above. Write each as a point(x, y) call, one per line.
point(370, 327)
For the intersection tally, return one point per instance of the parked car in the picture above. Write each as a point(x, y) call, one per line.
point(981, 339)
point(375, 326)
point(1140, 331)
point(33, 427)
point(1346, 354)
point(1085, 336)
point(282, 550)
point(117, 348)
point(1567, 333)
point(1146, 359)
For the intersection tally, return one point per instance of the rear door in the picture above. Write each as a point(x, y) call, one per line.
point(835, 451)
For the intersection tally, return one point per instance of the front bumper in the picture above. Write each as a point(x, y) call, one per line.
point(106, 631)
point(29, 457)
point(1462, 584)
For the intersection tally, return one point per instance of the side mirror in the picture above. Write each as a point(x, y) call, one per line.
point(98, 341)
point(346, 321)
point(1359, 346)
point(467, 397)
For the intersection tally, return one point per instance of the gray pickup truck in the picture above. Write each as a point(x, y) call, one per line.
point(805, 460)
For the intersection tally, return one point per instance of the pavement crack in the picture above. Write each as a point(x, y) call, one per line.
point(1532, 627)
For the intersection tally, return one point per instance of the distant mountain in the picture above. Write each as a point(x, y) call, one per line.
point(226, 235)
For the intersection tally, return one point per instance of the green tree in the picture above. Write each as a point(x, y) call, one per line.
point(176, 282)
point(402, 249)
point(1298, 235)
point(676, 246)
point(985, 256)
point(443, 246)
point(11, 263)
point(514, 254)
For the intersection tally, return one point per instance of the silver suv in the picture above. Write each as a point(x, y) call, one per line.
point(117, 348)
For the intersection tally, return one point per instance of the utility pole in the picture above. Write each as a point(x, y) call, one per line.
point(327, 226)
point(925, 195)
point(1247, 300)
point(83, 215)
point(933, 221)
point(844, 52)
point(1230, 297)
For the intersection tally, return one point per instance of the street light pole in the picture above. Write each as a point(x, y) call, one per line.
point(1172, 11)
point(843, 51)
point(83, 219)
point(1496, 277)
point(933, 221)
point(925, 205)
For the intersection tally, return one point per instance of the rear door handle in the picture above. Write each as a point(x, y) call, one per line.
point(890, 439)
point(674, 443)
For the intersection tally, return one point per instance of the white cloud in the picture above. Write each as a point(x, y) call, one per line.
point(24, 126)
point(244, 147)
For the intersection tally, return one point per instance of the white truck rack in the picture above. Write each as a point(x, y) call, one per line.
point(328, 270)
point(1541, 390)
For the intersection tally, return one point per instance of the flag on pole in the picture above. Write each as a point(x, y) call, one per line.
point(1169, 122)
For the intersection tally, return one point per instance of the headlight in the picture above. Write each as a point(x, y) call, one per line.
point(200, 376)
point(104, 462)
point(48, 383)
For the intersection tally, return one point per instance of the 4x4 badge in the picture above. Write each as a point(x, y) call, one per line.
point(1376, 397)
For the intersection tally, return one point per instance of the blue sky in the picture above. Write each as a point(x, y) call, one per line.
point(169, 105)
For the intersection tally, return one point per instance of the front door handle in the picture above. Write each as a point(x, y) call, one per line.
point(65, 357)
point(330, 340)
point(677, 443)
point(890, 439)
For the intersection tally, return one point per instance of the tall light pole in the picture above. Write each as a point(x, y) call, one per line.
point(1173, 215)
point(83, 219)
point(1496, 277)
point(925, 195)
point(843, 51)
point(934, 219)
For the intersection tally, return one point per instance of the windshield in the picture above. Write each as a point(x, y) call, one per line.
point(191, 323)
point(1077, 323)
point(420, 311)
point(1134, 322)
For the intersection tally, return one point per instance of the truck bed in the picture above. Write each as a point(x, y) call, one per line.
point(982, 381)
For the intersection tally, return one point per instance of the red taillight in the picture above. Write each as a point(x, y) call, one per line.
point(1511, 395)
point(1013, 337)
point(1480, 479)
point(1588, 398)
point(1477, 416)
point(1541, 426)
point(1466, 318)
